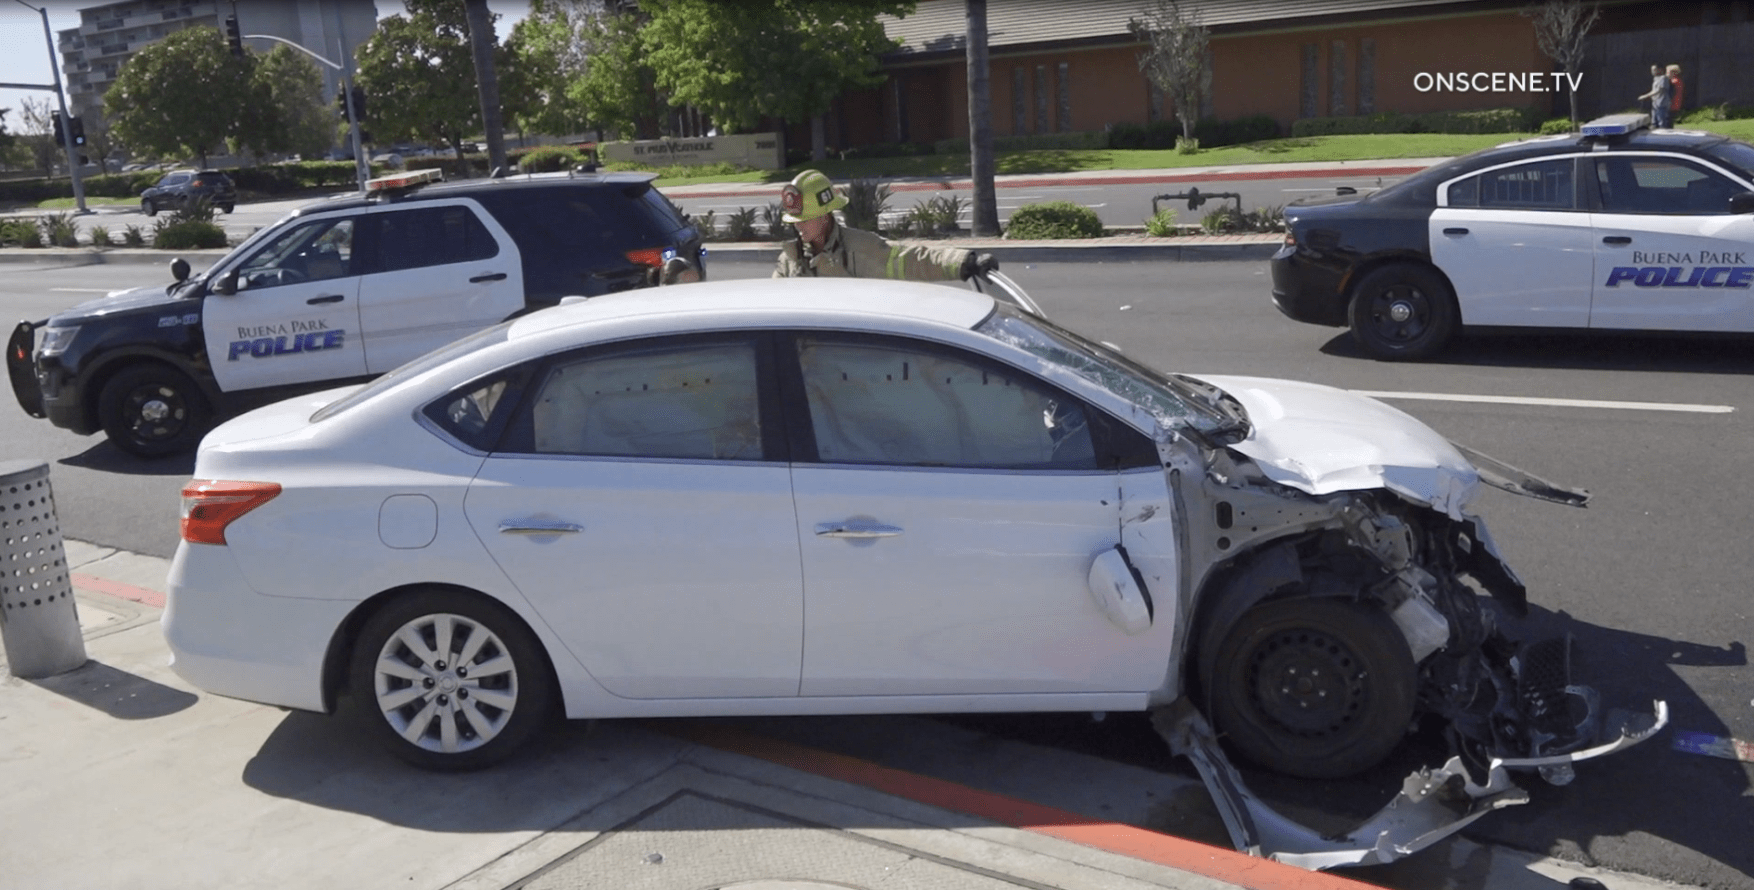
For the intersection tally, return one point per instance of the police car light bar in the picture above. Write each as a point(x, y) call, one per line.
point(1617, 125)
point(402, 180)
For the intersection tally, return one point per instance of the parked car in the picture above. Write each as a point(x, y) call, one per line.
point(1619, 228)
point(180, 189)
point(841, 496)
point(343, 289)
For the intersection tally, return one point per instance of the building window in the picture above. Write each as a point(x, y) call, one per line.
point(1019, 100)
point(1064, 88)
point(1367, 76)
point(1337, 79)
point(1309, 86)
point(1041, 98)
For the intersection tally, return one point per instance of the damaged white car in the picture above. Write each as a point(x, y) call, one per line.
point(816, 497)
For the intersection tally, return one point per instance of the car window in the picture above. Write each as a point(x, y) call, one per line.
point(313, 251)
point(469, 413)
point(482, 339)
point(173, 179)
point(430, 236)
point(1465, 193)
point(917, 404)
point(1661, 186)
point(1739, 156)
point(691, 401)
point(1543, 185)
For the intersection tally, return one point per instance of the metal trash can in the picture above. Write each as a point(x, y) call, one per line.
point(39, 623)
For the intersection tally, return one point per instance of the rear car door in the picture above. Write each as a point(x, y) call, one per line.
point(641, 502)
point(949, 509)
point(1516, 245)
point(434, 271)
point(1669, 254)
point(295, 316)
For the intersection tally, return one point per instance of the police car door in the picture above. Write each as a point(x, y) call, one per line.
point(1669, 254)
point(1516, 245)
point(436, 270)
point(294, 317)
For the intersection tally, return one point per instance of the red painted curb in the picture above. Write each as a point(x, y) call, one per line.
point(1239, 869)
point(94, 584)
point(1043, 181)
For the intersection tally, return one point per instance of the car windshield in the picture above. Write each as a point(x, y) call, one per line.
point(1171, 400)
point(1739, 155)
point(478, 340)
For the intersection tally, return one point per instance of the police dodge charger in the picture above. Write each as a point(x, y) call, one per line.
point(340, 290)
point(1619, 228)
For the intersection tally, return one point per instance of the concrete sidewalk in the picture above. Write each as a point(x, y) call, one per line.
point(119, 775)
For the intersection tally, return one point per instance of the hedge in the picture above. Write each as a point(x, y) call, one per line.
point(1037, 142)
point(1211, 132)
point(1492, 120)
point(1054, 219)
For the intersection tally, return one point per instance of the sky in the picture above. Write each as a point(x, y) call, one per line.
point(25, 55)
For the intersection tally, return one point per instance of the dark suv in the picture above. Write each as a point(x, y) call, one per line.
point(180, 189)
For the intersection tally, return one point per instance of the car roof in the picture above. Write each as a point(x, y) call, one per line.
point(465, 187)
point(769, 302)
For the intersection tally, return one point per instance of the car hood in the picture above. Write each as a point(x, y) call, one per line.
point(1319, 439)
point(115, 302)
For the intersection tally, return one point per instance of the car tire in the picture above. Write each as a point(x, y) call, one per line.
point(1318, 688)
point(1403, 313)
point(147, 207)
point(152, 411)
point(226, 207)
point(422, 704)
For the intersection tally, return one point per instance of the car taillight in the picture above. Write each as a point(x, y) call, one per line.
point(198, 183)
point(647, 256)
point(209, 505)
point(1290, 239)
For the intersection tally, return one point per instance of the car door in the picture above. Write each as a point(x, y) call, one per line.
point(1669, 253)
point(641, 504)
point(294, 317)
point(949, 510)
point(1515, 245)
point(435, 271)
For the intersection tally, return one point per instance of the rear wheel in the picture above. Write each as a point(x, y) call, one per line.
point(147, 207)
point(448, 680)
point(152, 411)
point(1403, 312)
point(1314, 687)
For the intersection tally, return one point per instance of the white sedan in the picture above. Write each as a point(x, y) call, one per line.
point(815, 497)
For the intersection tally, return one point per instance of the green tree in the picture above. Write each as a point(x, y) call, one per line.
point(1174, 58)
point(580, 65)
point(291, 85)
point(37, 135)
point(786, 59)
point(180, 96)
point(419, 76)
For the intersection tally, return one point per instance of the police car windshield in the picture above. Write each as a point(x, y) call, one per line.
point(442, 355)
point(1739, 155)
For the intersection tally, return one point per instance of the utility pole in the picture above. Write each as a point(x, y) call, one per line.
point(481, 40)
point(73, 170)
point(980, 123)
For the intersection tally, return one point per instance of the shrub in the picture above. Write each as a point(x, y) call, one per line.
point(549, 159)
point(1186, 146)
point(741, 225)
point(179, 233)
point(1265, 219)
point(773, 216)
point(100, 237)
point(1723, 111)
point(20, 232)
point(887, 150)
point(1162, 223)
point(60, 229)
point(1081, 141)
point(1492, 120)
point(1555, 127)
point(1221, 221)
point(941, 214)
point(1154, 135)
point(867, 201)
point(1054, 219)
point(708, 225)
point(1214, 133)
point(133, 237)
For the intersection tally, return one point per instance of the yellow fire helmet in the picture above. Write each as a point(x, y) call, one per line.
point(808, 196)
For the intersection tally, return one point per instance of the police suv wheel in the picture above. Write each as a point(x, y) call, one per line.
point(147, 207)
point(1402, 313)
point(1318, 688)
point(152, 411)
point(449, 680)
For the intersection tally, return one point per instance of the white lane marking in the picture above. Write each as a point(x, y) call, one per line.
point(1550, 403)
point(84, 290)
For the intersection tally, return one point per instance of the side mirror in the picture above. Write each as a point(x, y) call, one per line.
point(226, 284)
point(1742, 202)
point(180, 269)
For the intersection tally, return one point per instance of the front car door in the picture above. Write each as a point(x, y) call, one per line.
point(1669, 254)
point(294, 318)
point(435, 271)
point(1516, 245)
point(641, 503)
point(949, 509)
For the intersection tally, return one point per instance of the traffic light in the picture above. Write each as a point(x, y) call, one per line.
point(77, 129)
point(358, 102)
point(234, 37)
point(60, 132)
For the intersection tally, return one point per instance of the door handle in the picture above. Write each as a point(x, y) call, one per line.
point(855, 530)
point(1455, 230)
point(495, 276)
point(1617, 239)
point(539, 527)
point(326, 298)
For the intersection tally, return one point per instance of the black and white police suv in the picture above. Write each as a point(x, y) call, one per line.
point(1620, 228)
point(339, 291)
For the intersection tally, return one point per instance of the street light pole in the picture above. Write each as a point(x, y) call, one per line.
point(66, 120)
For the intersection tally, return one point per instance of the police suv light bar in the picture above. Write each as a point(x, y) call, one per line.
point(402, 180)
point(1617, 125)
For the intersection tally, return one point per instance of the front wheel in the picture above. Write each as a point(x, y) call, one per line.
point(1402, 313)
point(152, 411)
point(1318, 688)
point(450, 681)
point(147, 207)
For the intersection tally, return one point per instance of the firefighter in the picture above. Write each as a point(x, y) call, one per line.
point(823, 247)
